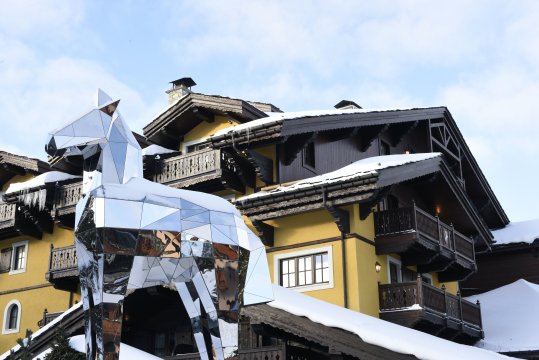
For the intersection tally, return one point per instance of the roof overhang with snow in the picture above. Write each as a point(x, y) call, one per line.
point(12, 164)
point(169, 127)
point(295, 129)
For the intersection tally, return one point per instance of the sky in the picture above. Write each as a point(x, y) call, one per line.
point(479, 58)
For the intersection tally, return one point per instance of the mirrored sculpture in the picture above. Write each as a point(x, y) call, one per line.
point(132, 233)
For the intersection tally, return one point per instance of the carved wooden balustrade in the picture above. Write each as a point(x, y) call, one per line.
point(65, 200)
point(278, 352)
point(186, 166)
point(418, 296)
point(63, 270)
point(423, 236)
point(7, 214)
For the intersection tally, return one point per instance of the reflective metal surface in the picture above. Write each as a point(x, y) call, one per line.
point(131, 233)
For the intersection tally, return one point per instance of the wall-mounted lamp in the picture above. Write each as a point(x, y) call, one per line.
point(438, 209)
point(377, 267)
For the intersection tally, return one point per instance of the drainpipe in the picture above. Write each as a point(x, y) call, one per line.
point(344, 277)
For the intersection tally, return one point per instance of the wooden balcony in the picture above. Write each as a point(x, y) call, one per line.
point(277, 352)
point(63, 271)
point(65, 200)
point(202, 170)
point(424, 307)
point(15, 220)
point(423, 240)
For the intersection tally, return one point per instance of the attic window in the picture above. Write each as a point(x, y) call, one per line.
point(309, 158)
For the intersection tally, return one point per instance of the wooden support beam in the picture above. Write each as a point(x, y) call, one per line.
point(341, 217)
point(263, 166)
point(294, 144)
point(368, 134)
point(265, 232)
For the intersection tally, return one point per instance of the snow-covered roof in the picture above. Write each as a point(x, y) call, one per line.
point(127, 352)
point(510, 316)
point(376, 331)
point(156, 150)
point(517, 232)
point(46, 327)
point(279, 117)
point(357, 169)
point(40, 180)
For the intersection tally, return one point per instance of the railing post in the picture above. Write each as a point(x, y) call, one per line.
point(453, 238)
point(419, 281)
point(439, 231)
point(414, 216)
point(445, 299)
point(479, 313)
point(50, 257)
point(460, 306)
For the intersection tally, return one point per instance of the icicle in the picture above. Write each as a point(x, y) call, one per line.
point(34, 198)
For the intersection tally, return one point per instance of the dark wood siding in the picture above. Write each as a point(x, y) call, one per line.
point(333, 155)
point(501, 268)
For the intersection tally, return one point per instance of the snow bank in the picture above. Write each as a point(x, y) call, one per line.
point(375, 331)
point(517, 232)
point(355, 170)
point(510, 316)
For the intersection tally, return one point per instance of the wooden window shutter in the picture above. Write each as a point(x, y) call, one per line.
point(5, 259)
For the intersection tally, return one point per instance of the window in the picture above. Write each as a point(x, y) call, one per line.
point(427, 278)
point(5, 259)
point(394, 270)
point(305, 270)
point(309, 158)
point(19, 252)
point(12, 317)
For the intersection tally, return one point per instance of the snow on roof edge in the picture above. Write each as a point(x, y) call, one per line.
point(517, 232)
point(356, 169)
point(376, 331)
point(40, 180)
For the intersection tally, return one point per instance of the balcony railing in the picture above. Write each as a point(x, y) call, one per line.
point(7, 214)
point(187, 166)
point(63, 271)
point(278, 352)
point(413, 219)
point(68, 195)
point(403, 297)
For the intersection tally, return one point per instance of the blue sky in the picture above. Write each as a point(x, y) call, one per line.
point(480, 59)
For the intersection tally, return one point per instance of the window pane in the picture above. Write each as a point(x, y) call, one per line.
point(284, 281)
point(292, 281)
point(301, 279)
point(393, 273)
point(309, 277)
point(325, 260)
point(325, 275)
point(285, 266)
point(318, 261)
point(309, 263)
point(13, 315)
point(292, 266)
point(318, 275)
point(301, 264)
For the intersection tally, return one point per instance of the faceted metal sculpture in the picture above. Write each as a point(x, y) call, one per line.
point(132, 233)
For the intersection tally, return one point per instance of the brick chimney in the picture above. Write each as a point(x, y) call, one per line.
point(180, 88)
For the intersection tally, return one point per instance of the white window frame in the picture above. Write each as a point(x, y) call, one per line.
point(5, 323)
point(392, 260)
point(277, 267)
point(24, 243)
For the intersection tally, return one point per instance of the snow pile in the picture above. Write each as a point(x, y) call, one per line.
point(517, 232)
point(510, 316)
point(37, 197)
point(375, 331)
point(355, 170)
point(153, 150)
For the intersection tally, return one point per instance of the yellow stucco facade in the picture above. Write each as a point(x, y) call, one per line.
point(29, 288)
